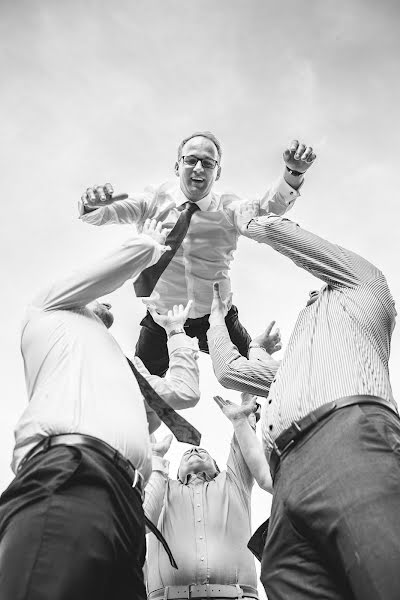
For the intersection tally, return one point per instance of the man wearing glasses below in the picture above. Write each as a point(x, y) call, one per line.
point(203, 232)
point(205, 518)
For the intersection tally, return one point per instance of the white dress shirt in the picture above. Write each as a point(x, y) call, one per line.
point(206, 522)
point(207, 250)
point(78, 379)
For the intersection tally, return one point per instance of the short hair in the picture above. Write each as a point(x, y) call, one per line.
point(206, 134)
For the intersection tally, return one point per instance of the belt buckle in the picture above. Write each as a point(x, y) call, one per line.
point(280, 452)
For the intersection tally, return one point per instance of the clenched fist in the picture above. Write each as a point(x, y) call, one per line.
point(100, 195)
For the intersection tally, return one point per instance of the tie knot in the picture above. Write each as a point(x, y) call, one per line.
point(190, 207)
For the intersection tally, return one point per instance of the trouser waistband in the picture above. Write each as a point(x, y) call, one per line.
point(93, 443)
point(208, 590)
point(104, 449)
point(290, 436)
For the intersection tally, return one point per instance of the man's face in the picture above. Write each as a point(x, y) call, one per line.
point(197, 181)
point(196, 460)
point(103, 311)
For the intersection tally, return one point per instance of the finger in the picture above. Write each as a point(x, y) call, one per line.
point(90, 195)
point(278, 346)
point(153, 312)
point(299, 151)
point(170, 314)
point(294, 144)
point(140, 366)
point(219, 401)
point(100, 193)
point(108, 190)
point(158, 226)
point(269, 328)
point(187, 308)
point(229, 300)
point(153, 225)
point(306, 153)
point(216, 291)
point(311, 158)
point(168, 439)
point(146, 226)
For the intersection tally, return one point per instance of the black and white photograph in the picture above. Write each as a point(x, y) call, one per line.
point(200, 251)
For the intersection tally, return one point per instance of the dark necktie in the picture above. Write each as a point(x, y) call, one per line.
point(147, 280)
point(182, 429)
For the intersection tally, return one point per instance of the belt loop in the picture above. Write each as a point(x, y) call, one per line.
point(239, 591)
point(166, 592)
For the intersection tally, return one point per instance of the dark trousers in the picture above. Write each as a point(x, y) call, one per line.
point(334, 530)
point(71, 528)
point(151, 346)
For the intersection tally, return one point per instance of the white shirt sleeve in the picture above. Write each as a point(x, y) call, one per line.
point(102, 276)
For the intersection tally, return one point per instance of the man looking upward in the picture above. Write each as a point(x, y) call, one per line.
point(205, 517)
point(203, 227)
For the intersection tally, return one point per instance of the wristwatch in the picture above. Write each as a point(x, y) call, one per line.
point(255, 345)
point(295, 173)
point(175, 332)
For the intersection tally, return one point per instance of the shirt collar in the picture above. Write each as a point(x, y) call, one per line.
point(190, 477)
point(203, 204)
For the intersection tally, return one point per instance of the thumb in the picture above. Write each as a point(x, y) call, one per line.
point(286, 154)
point(168, 440)
point(140, 367)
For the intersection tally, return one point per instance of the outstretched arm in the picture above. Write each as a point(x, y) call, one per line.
point(280, 197)
point(249, 444)
point(155, 488)
point(333, 264)
point(100, 206)
point(180, 387)
point(107, 274)
point(233, 370)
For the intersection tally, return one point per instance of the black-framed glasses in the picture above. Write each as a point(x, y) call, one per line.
point(191, 161)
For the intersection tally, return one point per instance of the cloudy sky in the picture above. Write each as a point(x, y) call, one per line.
point(100, 91)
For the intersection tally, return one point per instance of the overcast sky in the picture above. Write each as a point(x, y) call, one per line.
point(104, 91)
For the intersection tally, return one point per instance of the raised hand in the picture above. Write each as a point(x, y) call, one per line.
point(100, 195)
point(174, 319)
point(161, 448)
point(153, 229)
point(219, 307)
point(237, 412)
point(269, 340)
point(298, 156)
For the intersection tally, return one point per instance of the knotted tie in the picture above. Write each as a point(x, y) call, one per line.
point(147, 280)
point(182, 429)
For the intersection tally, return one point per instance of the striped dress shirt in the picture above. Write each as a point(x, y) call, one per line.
point(340, 344)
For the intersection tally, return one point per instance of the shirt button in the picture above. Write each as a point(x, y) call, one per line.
point(201, 537)
point(199, 520)
point(269, 401)
point(202, 558)
point(198, 505)
point(270, 427)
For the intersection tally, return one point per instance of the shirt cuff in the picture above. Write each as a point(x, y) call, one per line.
point(160, 464)
point(181, 340)
point(282, 187)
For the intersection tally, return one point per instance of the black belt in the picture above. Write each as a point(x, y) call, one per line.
point(289, 438)
point(122, 463)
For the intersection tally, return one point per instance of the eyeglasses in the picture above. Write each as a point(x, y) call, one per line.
point(206, 163)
